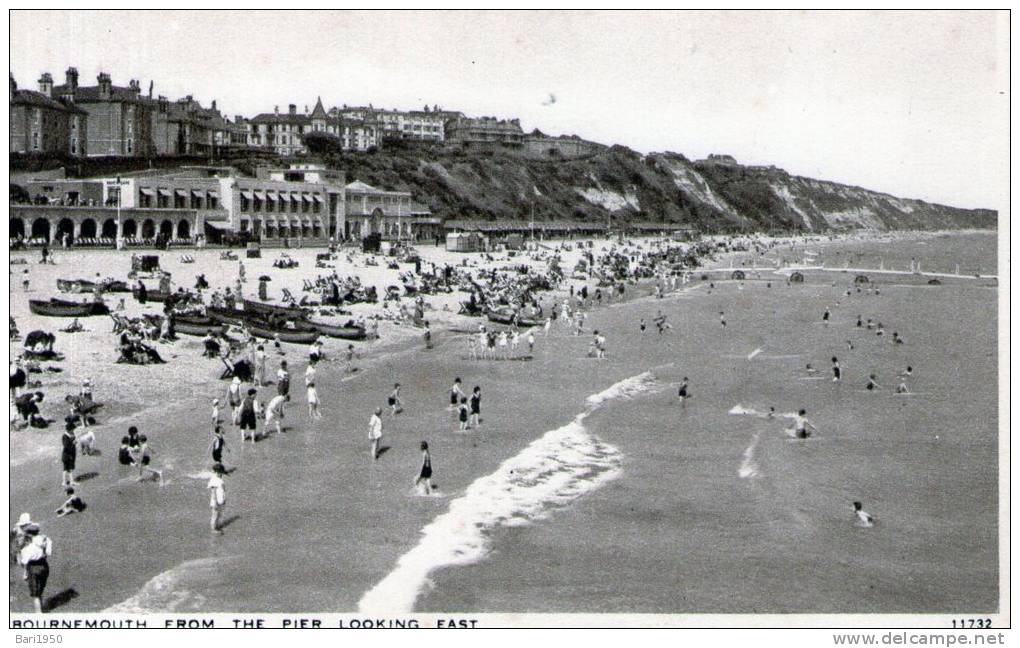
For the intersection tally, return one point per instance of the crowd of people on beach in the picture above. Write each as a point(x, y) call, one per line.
point(248, 405)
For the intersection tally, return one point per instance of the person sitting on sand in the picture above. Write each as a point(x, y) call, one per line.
point(863, 518)
point(73, 504)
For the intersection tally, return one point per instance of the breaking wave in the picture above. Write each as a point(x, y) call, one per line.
point(550, 473)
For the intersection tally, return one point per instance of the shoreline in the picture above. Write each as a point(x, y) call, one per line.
point(378, 544)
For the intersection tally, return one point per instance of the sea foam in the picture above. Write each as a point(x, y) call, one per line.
point(550, 473)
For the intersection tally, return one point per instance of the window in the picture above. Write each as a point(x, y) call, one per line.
point(270, 205)
point(145, 201)
point(35, 141)
point(163, 200)
point(212, 202)
point(294, 200)
point(196, 202)
point(316, 206)
point(257, 205)
point(244, 204)
point(130, 146)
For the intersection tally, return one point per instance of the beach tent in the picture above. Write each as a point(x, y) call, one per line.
point(738, 275)
point(934, 282)
point(796, 277)
point(861, 279)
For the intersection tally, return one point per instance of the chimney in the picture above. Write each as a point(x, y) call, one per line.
point(164, 104)
point(306, 109)
point(46, 84)
point(214, 104)
point(276, 110)
point(292, 109)
point(105, 85)
point(72, 79)
point(13, 87)
point(136, 86)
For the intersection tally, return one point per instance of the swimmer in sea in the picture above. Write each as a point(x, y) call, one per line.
point(837, 371)
point(722, 319)
point(802, 428)
point(825, 317)
point(858, 321)
point(811, 371)
point(907, 373)
point(642, 325)
point(872, 385)
point(864, 519)
point(849, 345)
point(682, 392)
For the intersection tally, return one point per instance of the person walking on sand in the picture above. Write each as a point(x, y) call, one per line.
point(396, 406)
point(531, 343)
point(218, 445)
point(427, 336)
point(424, 478)
point(34, 558)
point(375, 431)
point(476, 406)
point(234, 398)
point(217, 498)
point(313, 403)
point(310, 373)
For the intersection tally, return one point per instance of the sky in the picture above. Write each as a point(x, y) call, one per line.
point(915, 104)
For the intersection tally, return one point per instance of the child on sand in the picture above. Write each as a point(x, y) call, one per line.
point(218, 445)
point(531, 343)
point(864, 519)
point(73, 504)
point(425, 474)
point(476, 406)
point(375, 431)
point(802, 428)
point(313, 403)
point(124, 455)
point(455, 393)
point(349, 359)
point(396, 407)
point(463, 413)
point(144, 453)
point(283, 380)
point(274, 415)
point(234, 397)
point(217, 497)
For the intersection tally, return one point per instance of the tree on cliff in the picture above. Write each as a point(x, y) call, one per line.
point(319, 143)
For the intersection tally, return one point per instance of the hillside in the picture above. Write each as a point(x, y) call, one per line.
point(603, 184)
point(624, 186)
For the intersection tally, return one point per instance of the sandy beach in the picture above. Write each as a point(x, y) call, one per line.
point(575, 501)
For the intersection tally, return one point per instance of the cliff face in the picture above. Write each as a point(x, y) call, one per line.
point(623, 186)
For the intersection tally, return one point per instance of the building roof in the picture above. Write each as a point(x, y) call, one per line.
point(360, 187)
point(280, 118)
point(33, 98)
point(90, 94)
point(319, 112)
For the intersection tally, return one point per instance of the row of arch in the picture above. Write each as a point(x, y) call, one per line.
point(42, 228)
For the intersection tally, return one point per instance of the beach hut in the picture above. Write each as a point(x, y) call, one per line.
point(796, 277)
point(861, 279)
point(253, 251)
point(737, 275)
point(464, 242)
